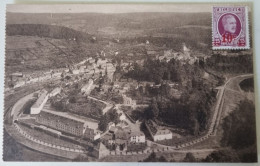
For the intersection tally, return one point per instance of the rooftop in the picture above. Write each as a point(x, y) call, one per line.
point(42, 94)
point(54, 117)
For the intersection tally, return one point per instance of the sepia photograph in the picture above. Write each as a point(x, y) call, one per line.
point(129, 83)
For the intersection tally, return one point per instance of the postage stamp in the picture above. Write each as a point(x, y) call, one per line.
point(230, 28)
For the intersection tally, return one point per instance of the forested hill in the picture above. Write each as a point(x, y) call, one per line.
point(110, 24)
point(52, 31)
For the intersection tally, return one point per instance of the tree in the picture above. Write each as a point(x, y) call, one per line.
point(222, 156)
point(240, 126)
point(155, 109)
point(162, 159)
point(73, 99)
point(81, 158)
point(68, 77)
point(113, 116)
point(189, 158)
point(150, 158)
point(103, 123)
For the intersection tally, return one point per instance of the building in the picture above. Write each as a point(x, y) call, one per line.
point(55, 91)
point(112, 129)
point(111, 124)
point(40, 102)
point(18, 74)
point(121, 139)
point(61, 123)
point(91, 134)
point(136, 137)
point(86, 88)
point(128, 100)
point(158, 133)
point(122, 117)
point(162, 134)
point(82, 69)
point(108, 139)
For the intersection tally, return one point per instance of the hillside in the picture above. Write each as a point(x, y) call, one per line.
point(119, 24)
point(51, 31)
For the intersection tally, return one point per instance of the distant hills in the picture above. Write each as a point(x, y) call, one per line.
point(44, 30)
point(121, 24)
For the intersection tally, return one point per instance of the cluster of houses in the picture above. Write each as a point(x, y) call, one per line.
point(98, 65)
point(60, 122)
point(19, 79)
point(184, 56)
point(121, 136)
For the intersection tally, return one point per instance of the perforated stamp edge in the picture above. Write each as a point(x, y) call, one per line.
point(247, 46)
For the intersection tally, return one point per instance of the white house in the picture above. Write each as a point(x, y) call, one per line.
point(128, 100)
point(136, 137)
point(158, 133)
point(38, 105)
point(55, 91)
point(122, 117)
point(162, 134)
point(111, 124)
point(86, 88)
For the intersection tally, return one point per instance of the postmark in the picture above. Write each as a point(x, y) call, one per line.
point(230, 28)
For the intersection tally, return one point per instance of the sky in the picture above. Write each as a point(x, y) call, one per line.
point(108, 8)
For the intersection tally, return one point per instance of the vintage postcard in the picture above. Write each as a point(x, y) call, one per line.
point(129, 83)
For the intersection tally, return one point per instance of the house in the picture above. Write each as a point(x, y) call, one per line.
point(75, 71)
point(91, 134)
point(86, 88)
point(82, 69)
point(121, 139)
point(111, 124)
point(130, 54)
point(162, 134)
point(55, 91)
point(158, 133)
point(108, 139)
point(123, 125)
point(136, 137)
point(151, 52)
point(122, 117)
point(128, 100)
point(40, 102)
point(19, 83)
point(18, 74)
point(112, 129)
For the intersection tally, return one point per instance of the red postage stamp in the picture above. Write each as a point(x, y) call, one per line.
point(230, 28)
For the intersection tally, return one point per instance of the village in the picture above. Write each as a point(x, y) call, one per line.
point(80, 96)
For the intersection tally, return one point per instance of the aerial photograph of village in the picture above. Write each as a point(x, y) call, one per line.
point(124, 83)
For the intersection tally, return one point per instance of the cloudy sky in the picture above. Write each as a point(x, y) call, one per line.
point(108, 8)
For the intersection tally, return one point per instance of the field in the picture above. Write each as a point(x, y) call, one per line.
point(32, 53)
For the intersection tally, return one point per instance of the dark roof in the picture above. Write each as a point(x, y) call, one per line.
point(121, 134)
point(136, 133)
point(60, 119)
point(108, 136)
point(162, 131)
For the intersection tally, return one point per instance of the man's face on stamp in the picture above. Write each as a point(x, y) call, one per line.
point(229, 24)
